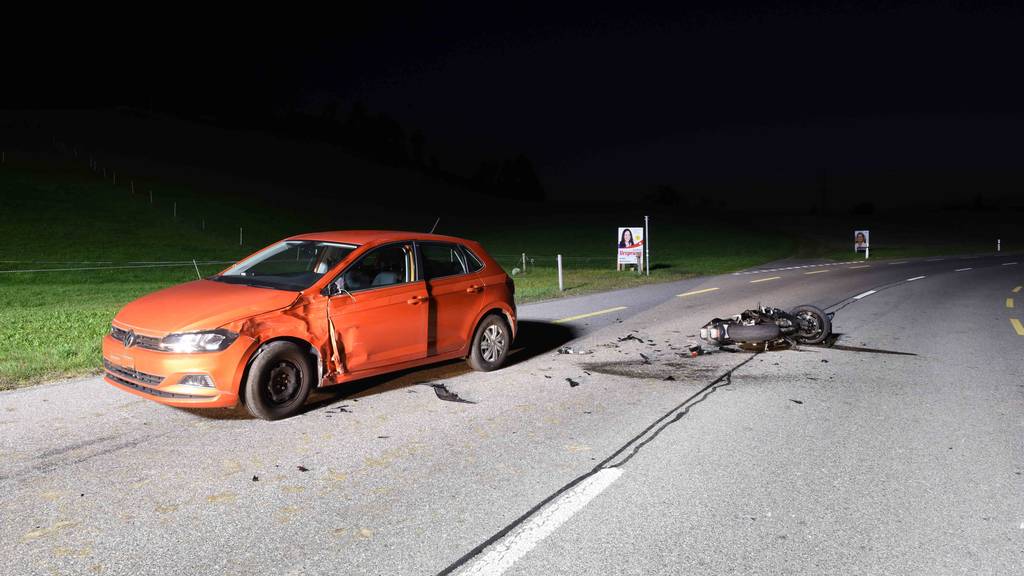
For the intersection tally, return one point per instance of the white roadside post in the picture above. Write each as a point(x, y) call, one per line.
point(524, 262)
point(647, 246)
point(999, 244)
point(560, 285)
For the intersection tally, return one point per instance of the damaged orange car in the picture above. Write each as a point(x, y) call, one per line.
point(312, 311)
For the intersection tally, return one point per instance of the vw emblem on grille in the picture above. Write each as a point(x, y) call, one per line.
point(129, 339)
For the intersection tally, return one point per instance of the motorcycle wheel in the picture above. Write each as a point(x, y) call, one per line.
point(755, 333)
point(815, 325)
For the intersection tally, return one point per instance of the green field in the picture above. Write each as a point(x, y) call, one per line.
point(63, 216)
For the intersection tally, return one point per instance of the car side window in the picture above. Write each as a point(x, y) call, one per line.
point(440, 260)
point(384, 266)
point(474, 263)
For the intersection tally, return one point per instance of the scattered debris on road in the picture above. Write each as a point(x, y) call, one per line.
point(796, 401)
point(647, 359)
point(302, 469)
point(447, 395)
point(572, 383)
point(571, 350)
point(670, 378)
point(628, 337)
point(255, 478)
point(333, 410)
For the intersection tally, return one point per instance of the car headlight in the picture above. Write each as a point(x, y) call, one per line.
point(210, 341)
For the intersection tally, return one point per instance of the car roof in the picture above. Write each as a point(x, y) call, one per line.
point(360, 237)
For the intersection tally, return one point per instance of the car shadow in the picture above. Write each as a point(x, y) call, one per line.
point(533, 339)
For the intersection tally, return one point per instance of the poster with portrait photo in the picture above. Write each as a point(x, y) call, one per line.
point(630, 244)
point(861, 239)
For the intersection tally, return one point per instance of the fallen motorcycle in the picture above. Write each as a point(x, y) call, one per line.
point(802, 325)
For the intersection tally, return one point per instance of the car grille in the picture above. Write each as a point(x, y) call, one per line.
point(146, 342)
point(147, 390)
point(148, 379)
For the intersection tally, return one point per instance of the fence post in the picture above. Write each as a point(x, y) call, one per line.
point(239, 236)
point(999, 244)
point(524, 262)
point(560, 284)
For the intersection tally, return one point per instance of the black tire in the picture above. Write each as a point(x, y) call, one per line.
point(822, 325)
point(491, 342)
point(755, 333)
point(279, 381)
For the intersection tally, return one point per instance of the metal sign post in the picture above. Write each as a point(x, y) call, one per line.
point(647, 246)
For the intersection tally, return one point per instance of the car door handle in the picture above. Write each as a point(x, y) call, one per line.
point(416, 300)
point(474, 289)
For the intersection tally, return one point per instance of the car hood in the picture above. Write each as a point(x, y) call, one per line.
point(199, 305)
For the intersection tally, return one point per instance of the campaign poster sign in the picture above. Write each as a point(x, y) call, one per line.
point(631, 245)
point(860, 240)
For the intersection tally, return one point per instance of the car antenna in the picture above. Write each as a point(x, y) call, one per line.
point(198, 275)
point(436, 222)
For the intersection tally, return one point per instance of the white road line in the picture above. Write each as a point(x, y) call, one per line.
point(765, 279)
point(962, 269)
point(864, 295)
point(855, 267)
point(1008, 263)
point(894, 263)
point(935, 260)
point(500, 556)
point(588, 315)
point(915, 278)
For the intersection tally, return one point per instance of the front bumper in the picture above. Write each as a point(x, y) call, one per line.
point(157, 375)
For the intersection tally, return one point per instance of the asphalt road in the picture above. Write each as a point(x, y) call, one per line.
point(898, 450)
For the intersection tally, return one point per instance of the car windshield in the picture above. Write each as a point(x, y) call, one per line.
point(292, 265)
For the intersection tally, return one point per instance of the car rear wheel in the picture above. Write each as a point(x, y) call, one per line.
point(491, 343)
point(279, 381)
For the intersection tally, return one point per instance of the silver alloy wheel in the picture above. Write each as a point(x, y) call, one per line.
point(492, 343)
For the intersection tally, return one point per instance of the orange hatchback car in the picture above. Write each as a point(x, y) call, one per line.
point(311, 311)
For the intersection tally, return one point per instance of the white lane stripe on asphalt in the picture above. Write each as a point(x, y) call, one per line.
point(915, 278)
point(894, 263)
point(962, 269)
point(855, 267)
point(588, 315)
point(864, 294)
point(1008, 263)
point(765, 279)
point(500, 556)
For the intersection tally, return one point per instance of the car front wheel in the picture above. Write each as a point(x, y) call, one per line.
point(279, 381)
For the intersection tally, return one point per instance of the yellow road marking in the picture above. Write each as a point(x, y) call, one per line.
point(817, 272)
point(695, 292)
point(1017, 289)
point(588, 315)
point(1009, 302)
point(765, 279)
point(1017, 326)
point(855, 267)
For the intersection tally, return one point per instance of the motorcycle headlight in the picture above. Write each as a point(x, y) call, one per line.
point(210, 341)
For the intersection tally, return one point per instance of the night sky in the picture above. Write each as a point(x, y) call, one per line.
point(870, 100)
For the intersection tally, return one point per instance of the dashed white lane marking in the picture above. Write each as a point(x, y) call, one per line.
point(695, 292)
point(915, 278)
point(791, 268)
point(765, 279)
point(1008, 263)
point(817, 271)
point(894, 263)
point(962, 269)
point(588, 315)
point(864, 294)
point(500, 556)
point(855, 267)
point(1009, 302)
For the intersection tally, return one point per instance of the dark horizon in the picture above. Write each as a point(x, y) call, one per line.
point(895, 107)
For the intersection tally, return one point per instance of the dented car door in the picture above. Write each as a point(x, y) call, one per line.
point(380, 316)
